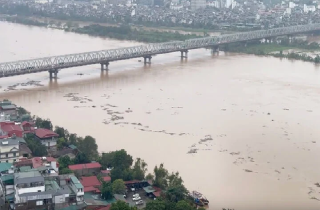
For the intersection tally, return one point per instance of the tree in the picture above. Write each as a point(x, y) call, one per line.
point(176, 191)
point(64, 162)
point(106, 191)
point(149, 177)
point(37, 149)
point(118, 186)
point(73, 139)
point(160, 175)
point(156, 205)
point(89, 147)
point(139, 169)
point(120, 205)
point(65, 171)
point(122, 160)
point(81, 158)
point(41, 123)
point(61, 142)
point(22, 111)
point(63, 133)
point(107, 159)
point(183, 205)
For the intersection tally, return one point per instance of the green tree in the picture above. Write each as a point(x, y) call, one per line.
point(183, 205)
point(139, 169)
point(22, 111)
point(107, 159)
point(160, 177)
point(37, 149)
point(73, 139)
point(64, 162)
point(41, 123)
point(122, 160)
point(81, 158)
point(149, 177)
point(89, 147)
point(176, 191)
point(63, 133)
point(65, 171)
point(120, 205)
point(106, 191)
point(156, 205)
point(118, 186)
point(61, 142)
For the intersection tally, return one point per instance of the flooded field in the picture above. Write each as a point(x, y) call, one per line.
point(241, 129)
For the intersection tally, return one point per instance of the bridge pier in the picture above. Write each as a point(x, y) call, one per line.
point(53, 73)
point(104, 66)
point(215, 49)
point(147, 59)
point(184, 54)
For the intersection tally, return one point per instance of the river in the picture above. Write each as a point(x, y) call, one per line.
point(261, 112)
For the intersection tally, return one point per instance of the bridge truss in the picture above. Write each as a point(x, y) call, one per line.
point(104, 56)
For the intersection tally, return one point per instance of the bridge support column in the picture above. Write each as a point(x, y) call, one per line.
point(184, 54)
point(215, 49)
point(147, 59)
point(53, 73)
point(105, 66)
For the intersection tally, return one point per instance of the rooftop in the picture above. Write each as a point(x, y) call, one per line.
point(5, 166)
point(27, 177)
point(90, 181)
point(84, 166)
point(45, 133)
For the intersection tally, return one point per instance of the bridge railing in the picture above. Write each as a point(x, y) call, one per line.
point(79, 59)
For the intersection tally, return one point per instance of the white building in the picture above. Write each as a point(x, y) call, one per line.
point(77, 187)
point(9, 150)
point(292, 5)
point(197, 4)
point(309, 8)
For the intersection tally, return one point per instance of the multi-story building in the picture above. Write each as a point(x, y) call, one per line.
point(197, 4)
point(46, 137)
point(77, 188)
point(30, 191)
point(9, 150)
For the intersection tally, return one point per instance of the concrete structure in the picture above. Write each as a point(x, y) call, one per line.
point(197, 4)
point(9, 150)
point(77, 187)
point(8, 108)
point(53, 64)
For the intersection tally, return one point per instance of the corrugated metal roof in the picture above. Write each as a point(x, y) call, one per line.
point(5, 166)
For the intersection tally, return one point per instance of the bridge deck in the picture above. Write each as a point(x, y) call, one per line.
point(104, 56)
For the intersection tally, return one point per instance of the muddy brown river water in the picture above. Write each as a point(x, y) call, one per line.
point(262, 114)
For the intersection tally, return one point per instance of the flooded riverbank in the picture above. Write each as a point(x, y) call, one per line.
point(251, 120)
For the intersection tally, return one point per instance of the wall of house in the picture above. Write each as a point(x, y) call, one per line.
point(9, 153)
point(30, 189)
point(49, 142)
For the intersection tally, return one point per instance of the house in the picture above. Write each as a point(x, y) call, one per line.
point(77, 188)
point(91, 184)
point(46, 137)
point(30, 191)
point(8, 108)
point(86, 169)
point(9, 150)
point(10, 128)
point(51, 162)
point(27, 127)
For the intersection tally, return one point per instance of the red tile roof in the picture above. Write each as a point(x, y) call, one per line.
point(106, 178)
point(45, 133)
point(90, 181)
point(91, 189)
point(24, 123)
point(104, 208)
point(84, 166)
point(10, 128)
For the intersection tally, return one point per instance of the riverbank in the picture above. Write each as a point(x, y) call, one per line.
point(296, 50)
point(122, 32)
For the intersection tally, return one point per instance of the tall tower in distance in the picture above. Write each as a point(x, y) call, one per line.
point(196, 4)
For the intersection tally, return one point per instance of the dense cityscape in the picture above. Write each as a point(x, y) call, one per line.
point(224, 14)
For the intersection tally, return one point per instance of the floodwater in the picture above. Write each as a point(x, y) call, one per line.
point(262, 115)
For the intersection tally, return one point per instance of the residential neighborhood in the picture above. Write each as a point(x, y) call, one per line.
point(31, 182)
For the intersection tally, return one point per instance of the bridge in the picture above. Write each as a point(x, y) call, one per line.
point(55, 63)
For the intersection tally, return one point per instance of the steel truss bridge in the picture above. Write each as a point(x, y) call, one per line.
point(55, 63)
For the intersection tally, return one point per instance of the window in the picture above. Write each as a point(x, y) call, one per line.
point(7, 161)
point(39, 203)
point(15, 154)
point(6, 155)
point(14, 160)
